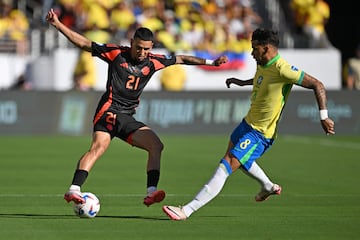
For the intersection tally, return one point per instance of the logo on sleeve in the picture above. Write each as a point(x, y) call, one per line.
point(294, 68)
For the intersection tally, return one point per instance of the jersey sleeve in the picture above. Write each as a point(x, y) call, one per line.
point(291, 73)
point(106, 52)
point(161, 61)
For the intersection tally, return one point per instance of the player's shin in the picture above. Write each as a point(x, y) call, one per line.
point(79, 177)
point(259, 175)
point(210, 190)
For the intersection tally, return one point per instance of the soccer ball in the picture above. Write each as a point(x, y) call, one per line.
point(90, 208)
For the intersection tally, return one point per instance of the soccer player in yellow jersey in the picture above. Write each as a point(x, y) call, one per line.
point(272, 84)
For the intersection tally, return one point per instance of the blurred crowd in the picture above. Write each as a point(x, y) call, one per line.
point(179, 25)
point(310, 18)
point(214, 26)
point(14, 27)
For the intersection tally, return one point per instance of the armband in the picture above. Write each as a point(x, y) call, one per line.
point(323, 114)
point(209, 62)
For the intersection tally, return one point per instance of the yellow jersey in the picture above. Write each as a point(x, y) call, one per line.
point(271, 87)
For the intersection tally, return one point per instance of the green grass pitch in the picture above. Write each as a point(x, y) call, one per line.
point(319, 176)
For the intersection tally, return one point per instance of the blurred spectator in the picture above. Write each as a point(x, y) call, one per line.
point(14, 27)
point(236, 23)
point(85, 72)
point(311, 16)
point(121, 18)
point(210, 7)
point(208, 43)
point(96, 27)
point(299, 9)
point(167, 35)
point(66, 10)
point(150, 19)
point(173, 78)
point(21, 83)
point(352, 71)
point(180, 44)
point(97, 20)
point(250, 19)
point(194, 35)
point(316, 19)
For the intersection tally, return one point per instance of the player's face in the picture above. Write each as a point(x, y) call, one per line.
point(259, 53)
point(140, 49)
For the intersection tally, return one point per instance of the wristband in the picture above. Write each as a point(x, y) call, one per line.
point(323, 114)
point(209, 62)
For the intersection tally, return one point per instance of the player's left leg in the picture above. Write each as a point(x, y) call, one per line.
point(146, 139)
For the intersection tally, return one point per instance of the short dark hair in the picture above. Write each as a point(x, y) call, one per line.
point(144, 34)
point(265, 36)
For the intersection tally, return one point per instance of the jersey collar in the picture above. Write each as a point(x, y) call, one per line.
point(273, 60)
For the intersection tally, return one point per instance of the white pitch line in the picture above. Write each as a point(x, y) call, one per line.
point(20, 195)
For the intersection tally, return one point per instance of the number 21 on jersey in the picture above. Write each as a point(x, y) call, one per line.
point(132, 82)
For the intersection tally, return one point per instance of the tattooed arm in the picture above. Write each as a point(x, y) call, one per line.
point(192, 60)
point(320, 94)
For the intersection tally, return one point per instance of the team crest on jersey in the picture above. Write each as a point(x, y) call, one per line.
point(294, 68)
point(145, 70)
point(259, 80)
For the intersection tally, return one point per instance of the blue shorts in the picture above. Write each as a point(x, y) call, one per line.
point(249, 144)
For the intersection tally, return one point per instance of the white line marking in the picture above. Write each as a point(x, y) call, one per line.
point(41, 195)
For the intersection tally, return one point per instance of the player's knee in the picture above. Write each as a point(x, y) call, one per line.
point(159, 146)
point(154, 147)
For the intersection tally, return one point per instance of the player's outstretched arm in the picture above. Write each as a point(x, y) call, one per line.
point(320, 95)
point(192, 60)
point(238, 82)
point(74, 37)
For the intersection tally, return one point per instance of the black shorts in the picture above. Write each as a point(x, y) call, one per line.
point(119, 125)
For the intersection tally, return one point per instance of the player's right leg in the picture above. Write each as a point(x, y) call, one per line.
point(265, 194)
point(267, 186)
point(74, 194)
point(100, 143)
point(249, 145)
